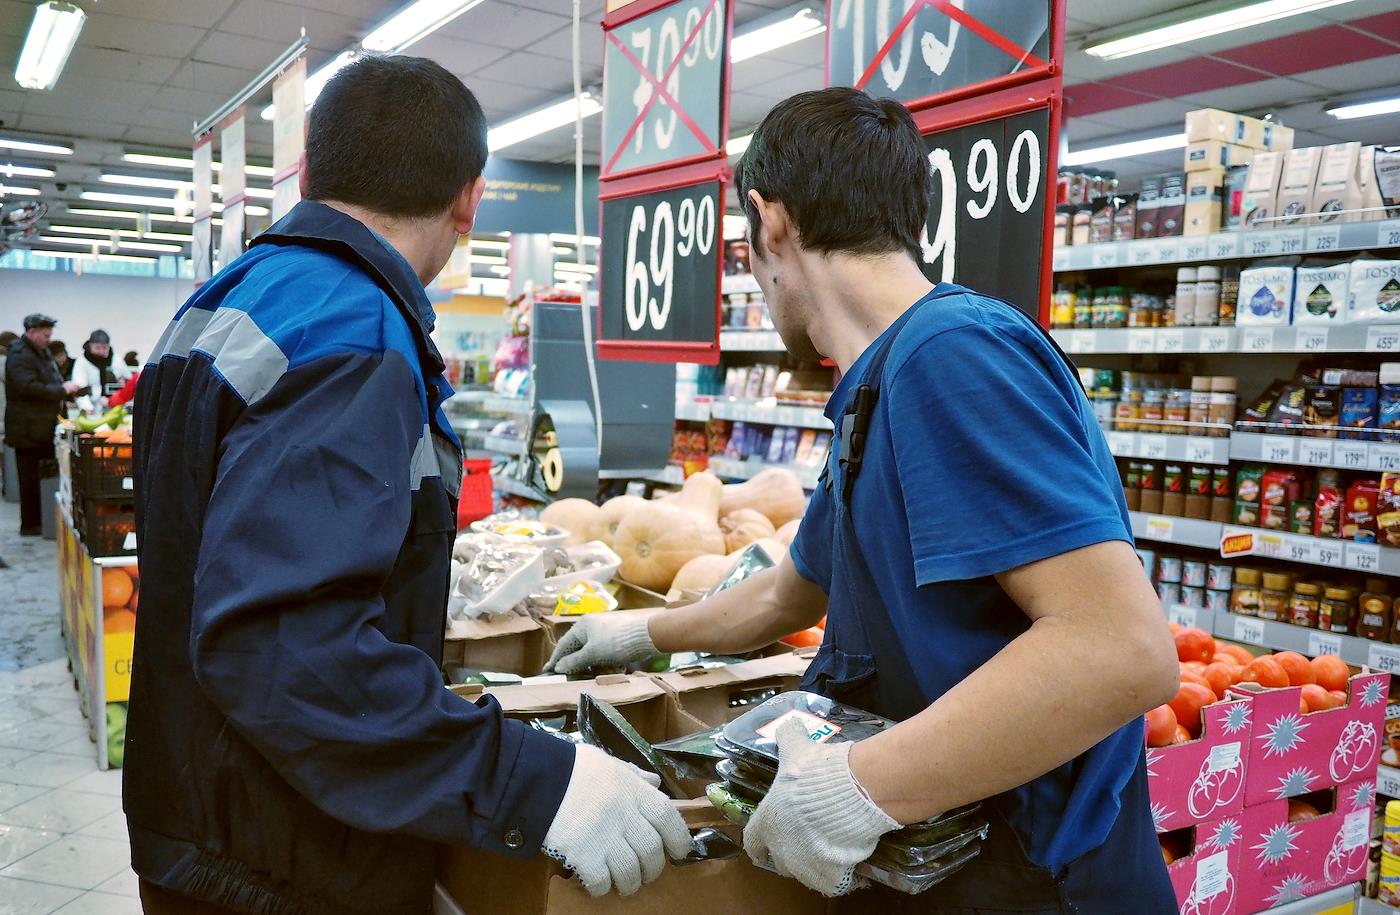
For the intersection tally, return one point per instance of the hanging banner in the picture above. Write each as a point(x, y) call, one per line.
point(288, 136)
point(202, 230)
point(233, 186)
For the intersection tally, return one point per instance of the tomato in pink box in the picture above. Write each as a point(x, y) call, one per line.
point(1292, 753)
point(1202, 780)
point(1206, 880)
point(1283, 861)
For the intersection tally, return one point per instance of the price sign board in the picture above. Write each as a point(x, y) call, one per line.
point(928, 51)
point(988, 225)
point(659, 273)
point(665, 92)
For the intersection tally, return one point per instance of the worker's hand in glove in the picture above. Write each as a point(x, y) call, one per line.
point(599, 639)
point(614, 830)
point(816, 823)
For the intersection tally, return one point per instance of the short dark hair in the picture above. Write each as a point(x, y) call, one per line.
point(131, 358)
point(58, 346)
point(397, 135)
point(851, 170)
point(7, 337)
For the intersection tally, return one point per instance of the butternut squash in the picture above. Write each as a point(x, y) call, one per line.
point(611, 515)
point(742, 527)
point(577, 516)
point(655, 539)
point(774, 492)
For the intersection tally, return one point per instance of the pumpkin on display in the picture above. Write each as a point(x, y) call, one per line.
point(775, 493)
point(744, 526)
point(577, 516)
point(788, 532)
point(703, 572)
point(610, 516)
point(656, 539)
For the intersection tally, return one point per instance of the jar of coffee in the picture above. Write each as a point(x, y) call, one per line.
point(1274, 598)
point(1245, 595)
point(1306, 605)
point(1338, 605)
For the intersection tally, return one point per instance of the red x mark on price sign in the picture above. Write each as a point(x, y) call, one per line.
point(937, 50)
point(665, 98)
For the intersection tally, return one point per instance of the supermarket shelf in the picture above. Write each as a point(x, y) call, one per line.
point(1224, 246)
point(503, 444)
point(751, 341)
point(1368, 906)
point(741, 284)
point(1388, 784)
point(692, 411)
point(515, 406)
point(1194, 449)
point(1321, 551)
point(667, 476)
point(1277, 636)
point(1315, 452)
point(513, 487)
point(1183, 531)
point(1343, 338)
point(746, 469)
point(751, 412)
point(1326, 903)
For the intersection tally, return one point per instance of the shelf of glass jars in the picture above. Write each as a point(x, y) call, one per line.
point(1344, 338)
point(1277, 636)
point(1226, 246)
point(1162, 440)
point(1273, 444)
point(1237, 541)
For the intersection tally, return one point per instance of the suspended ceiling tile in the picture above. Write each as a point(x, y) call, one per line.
point(502, 101)
point(191, 101)
point(1187, 77)
point(120, 66)
point(1385, 24)
point(463, 58)
point(198, 13)
point(533, 70)
point(44, 124)
point(809, 52)
point(126, 34)
point(1089, 99)
point(15, 17)
point(368, 10)
point(506, 26)
point(1152, 119)
point(212, 78)
point(1311, 50)
point(590, 12)
point(282, 23)
point(1254, 98)
point(1375, 75)
point(561, 45)
point(240, 52)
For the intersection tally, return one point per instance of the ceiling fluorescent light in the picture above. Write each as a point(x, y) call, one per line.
point(1370, 109)
point(19, 189)
point(414, 22)
point(43, 149)
point(1197, 27)
point(253, 211)
point(164, 184)
point(89, 256)
point(542, 121)
point(1124, 150)
point(572, 239)
point(791, 27)
point(24, 171)
point(51, 37)
point(150, 246)
point(256, 171)
point(133, 215)
point(487, 259)
point(168, 236)
point(317, 81)
point(737, 145)
point(165, 203)
point(94, 231)
point(488, 244)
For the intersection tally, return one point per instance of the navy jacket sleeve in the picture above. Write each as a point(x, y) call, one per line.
point(310, 507)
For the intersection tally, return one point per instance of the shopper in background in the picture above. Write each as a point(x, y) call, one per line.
point(95, 374)
point(59, 350)
point(6, 338)
point(34, 393)
point(290, 746)
point(128, 390)
point(1005, 622)
point(131, 361)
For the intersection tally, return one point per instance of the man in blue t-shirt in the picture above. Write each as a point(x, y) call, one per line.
point(973, 558)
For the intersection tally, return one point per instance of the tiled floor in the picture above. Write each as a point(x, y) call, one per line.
point(63, 845)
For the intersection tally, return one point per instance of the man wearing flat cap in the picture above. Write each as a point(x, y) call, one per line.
point(34, 394)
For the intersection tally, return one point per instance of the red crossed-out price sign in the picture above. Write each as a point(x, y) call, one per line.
point(665, 122)
point(983, 78)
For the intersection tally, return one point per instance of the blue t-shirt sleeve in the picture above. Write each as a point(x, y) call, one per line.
point(811, 548)
point(999, 462)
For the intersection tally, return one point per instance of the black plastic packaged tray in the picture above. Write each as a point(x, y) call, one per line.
point(827, 721)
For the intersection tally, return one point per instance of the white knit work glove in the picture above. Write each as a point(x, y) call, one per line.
point(598, 639)
point(816, 823)
point(614, 830)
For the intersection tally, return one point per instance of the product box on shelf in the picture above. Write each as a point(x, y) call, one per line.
point(1171, 205)
point(1261, 186)
point(506, 644)
point(1266, 294)
point(1320, 294)
point(1205, 199)
point(1206, 873)
point(1295, 191)
point(1292, 753)
point(1374, 292)
point(1148, 199)
point(1207, 154)
point(1203, 779)
point(1235, 178)
point(1228, 127)
point(1337, 193)
point(1283, 859)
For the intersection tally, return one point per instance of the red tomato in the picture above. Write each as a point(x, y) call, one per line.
point(1190, 699)
point(1182, 735)
point(1297, 667)
point(1266, 672)
point(1220, 676)
point(804, 639)
point(1195, 667)
point(1194, 645)
point(1238, 652)
point(1317, 699)
point(1330, 671)
point(1161, 726)
point(1301, 810)
point(1187, 676)
point(1339, 695)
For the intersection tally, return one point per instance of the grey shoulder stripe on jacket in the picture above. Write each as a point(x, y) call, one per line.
point(243, 355)
point(433, 457)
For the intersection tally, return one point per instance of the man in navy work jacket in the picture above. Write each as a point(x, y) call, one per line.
point(978, 575)
point(290, 746)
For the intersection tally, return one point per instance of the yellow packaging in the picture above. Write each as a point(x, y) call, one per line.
point(584, 597)
point(1390, 836)
point(1389, 889)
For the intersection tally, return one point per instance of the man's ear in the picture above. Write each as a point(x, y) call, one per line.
point(465, 206)
point(301, 175)
point(773, 222)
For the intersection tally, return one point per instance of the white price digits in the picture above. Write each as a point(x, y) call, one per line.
point(983, 179)
point(694, 223)
point(668, 45)
point(936, 52)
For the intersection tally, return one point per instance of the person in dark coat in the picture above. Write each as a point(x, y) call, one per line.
point(34, 393)
point(59, 350)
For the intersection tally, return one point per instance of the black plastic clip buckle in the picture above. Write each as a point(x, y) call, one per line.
point(855, 424)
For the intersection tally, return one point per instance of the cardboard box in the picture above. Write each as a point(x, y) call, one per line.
point(1283, 861)
point(1296, 188)
point(1261, 191)
point(1202, 780)
point(1205, 200)
point(1235, 178)
point(1207, 877)
point(1171, 205)
point(1337, 191)
point(1216, 154)
point(1291, 753)
point(1372, 204)
point(1228, 127)
point(709, 694)
point(507, 644)
point(1146, 226)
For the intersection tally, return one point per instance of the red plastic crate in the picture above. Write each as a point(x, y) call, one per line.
point(475, 501)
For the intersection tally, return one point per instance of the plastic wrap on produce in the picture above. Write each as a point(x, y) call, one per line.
point(496, 576)
point(753, 559)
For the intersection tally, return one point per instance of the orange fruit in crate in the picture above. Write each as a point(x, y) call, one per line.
point(1266, 672)
point(116, 588)
point(120, 620)
point(1238, 652)
point(1190, 676)
point(1298, 668)
point(1194, 645)
point(1317, 699)
point(1220, 676)
point(1330, 671)
point(1182, 735)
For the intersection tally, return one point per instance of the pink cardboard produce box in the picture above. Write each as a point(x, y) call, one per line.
point(1203, 780)
point(1207, 879)
point(1285, 861)
point(1291, 753)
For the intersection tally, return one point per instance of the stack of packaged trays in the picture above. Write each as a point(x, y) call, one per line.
point(909, 860)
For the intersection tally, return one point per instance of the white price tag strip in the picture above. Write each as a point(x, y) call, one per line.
point(1193, 249)
point(1167, 251)
point(1105, 255)
point(1257, 340)
point(1267, 544)
point(1384, 657)
point(1324, 643)
point(1141, 340)
point(1154, 447)
point(1315, 451)
point(1278, 449)
point(1171, 341)
point(1159, 529)
point(1142, 252)
point(1388, 234)
point(1384, 338)
point(1327, 553)
point(1083, 341)
point(1292, 241)
point(1201, 450)
point(1324, 239)
point(1215, 341)
point(1059, 259)
point(1311, 340)
point(1122, 444)
point(1385, 458)
point(1260, 244)
point(1249, 631)
point(1363, 557)
point(1301, 549)
point(1350, 455)
point(1388, 782)
point(1224, 756)
point(130, 542)
point(1225, 244)
point(1212, 876)
point(1182, 615)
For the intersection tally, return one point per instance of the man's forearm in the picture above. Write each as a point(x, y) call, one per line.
point(756, 612)
point(1040, 702)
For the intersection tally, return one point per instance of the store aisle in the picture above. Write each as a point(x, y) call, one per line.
point(63, 844)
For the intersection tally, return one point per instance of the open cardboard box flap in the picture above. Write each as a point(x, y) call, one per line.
point(508, 643)
point(545, 699)
point(705, 692)
point(490, 627)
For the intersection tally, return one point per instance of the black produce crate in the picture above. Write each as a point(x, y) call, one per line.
point(101, 470)
point(105, 525)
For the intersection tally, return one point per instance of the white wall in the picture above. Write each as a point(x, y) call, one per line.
point(134, 310)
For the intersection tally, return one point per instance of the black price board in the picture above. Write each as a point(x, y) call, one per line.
point(659, 294)
point(987, 218)
point(665, 98)
point(917, 50)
